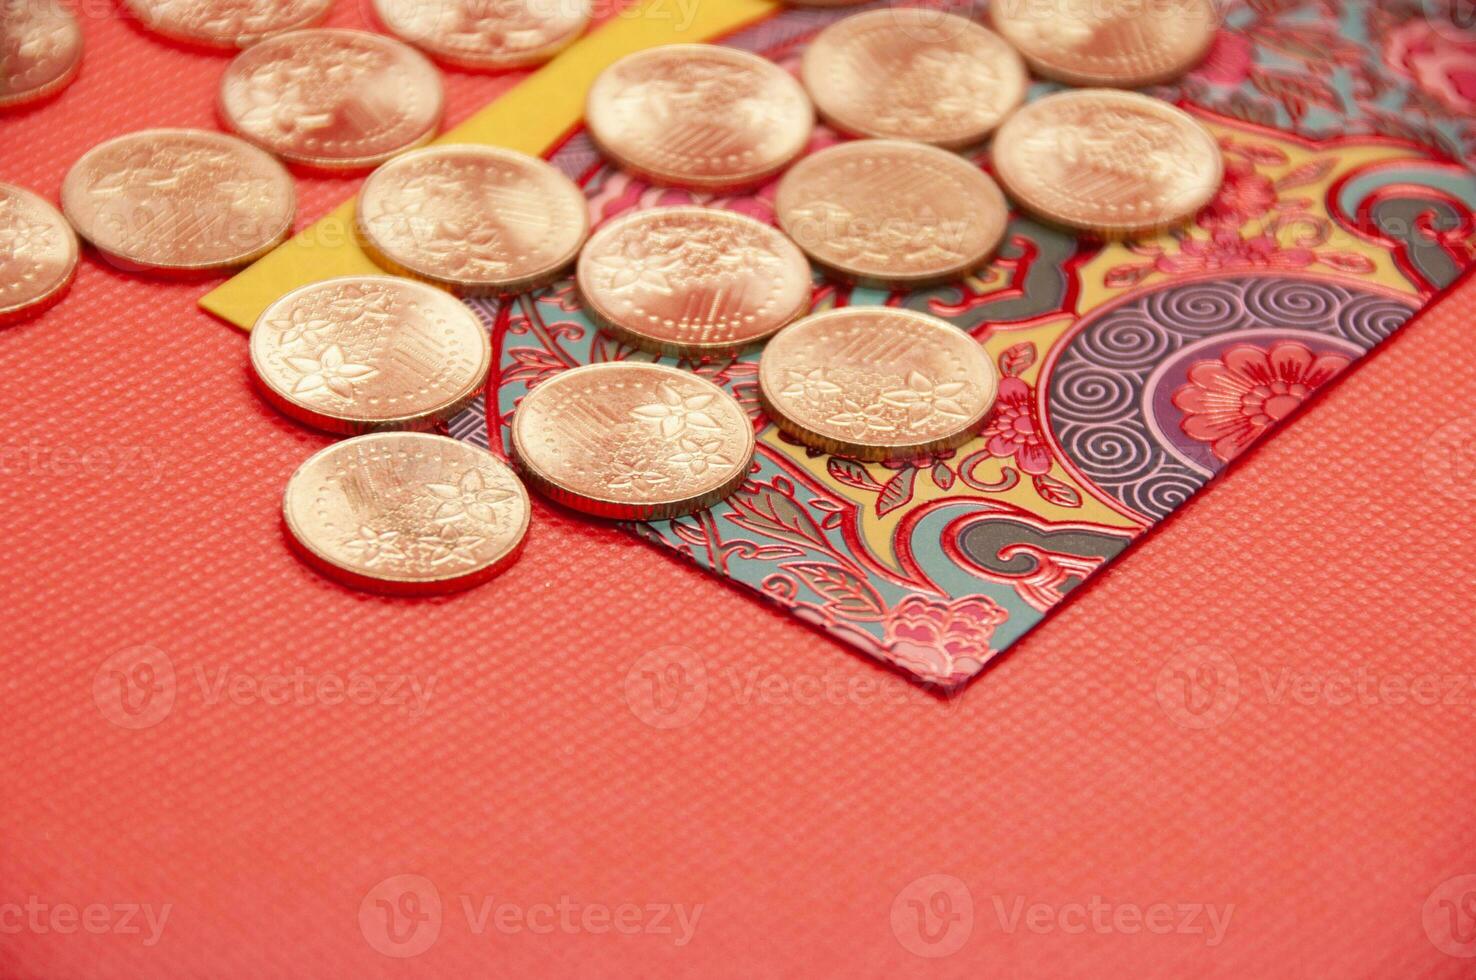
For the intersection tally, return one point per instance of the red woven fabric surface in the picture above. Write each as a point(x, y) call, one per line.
point(799, 789)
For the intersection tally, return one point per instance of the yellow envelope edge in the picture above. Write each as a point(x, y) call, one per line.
point(530, 117)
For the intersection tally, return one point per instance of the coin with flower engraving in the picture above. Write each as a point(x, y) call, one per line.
point(361, 353)
point(892, 213)
point(38, 254)
point(632, 440)
point(699, 115)
point(486, 35)
point(179, 201)
point(40, 50)
point(913, 73)
point(692, 282)
point(1116, 163)
point(226, 23)
point(477, 219)
point(877, 383)
point(1117, 43)
point(332, 99)
point(406, 513)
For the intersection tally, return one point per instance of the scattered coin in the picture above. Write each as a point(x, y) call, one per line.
point(406, 513)
point(226, 23)
point(1119, 43)
point(477, 219)
point(699, 115)
point(332, 99)
point(1116, 163)
point(40, 50)
point(38, 254)
point(913, 73)
point(692, 282)
point(632, 440)
point(179, 200)
point(892, 213)
point(876, 383)
point(486, 35)
point(361, 353)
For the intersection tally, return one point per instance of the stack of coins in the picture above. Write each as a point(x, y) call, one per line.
point(402, 510)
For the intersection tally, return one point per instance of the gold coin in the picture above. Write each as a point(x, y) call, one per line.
point(877, 383)
point(699, 115)
point(476, 219)
point(332, 99)
point(362, 353)
point(632, 440)
point(892, 213)
point(1116, 163)
point(179, 201)
point(1118, 43)
point(226, 23)
point(912, 73)
point(40, 50)
point(406, 513)
point(692, 282)
point(486, 35)
point(38, 254)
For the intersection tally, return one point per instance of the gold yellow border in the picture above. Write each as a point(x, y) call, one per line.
point(531, 117)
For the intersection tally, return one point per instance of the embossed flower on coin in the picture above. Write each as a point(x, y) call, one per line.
point(892, 213)
point(877, 382)
point(38, 254)
point(486, 34)
point(631, 439)
point(1113, 162)
point(332, 99)
point(226, 23)
point(369, 352)
point(1121, 43)
point(692, 282)
point(406, 513)
point(179, 200)
point(911, 73)
point(699, 115)
point(475, 218)
point(40, 50)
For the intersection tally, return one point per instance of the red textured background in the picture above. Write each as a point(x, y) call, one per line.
point(141, 479)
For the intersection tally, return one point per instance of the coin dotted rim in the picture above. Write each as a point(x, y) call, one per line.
point(810, 70)
point(342, 422)
point(1124, 80)
point(482, 287)
point(872, 278)
point(471, 61)
point(400, 586)
point(665, 178)
point(416, 62)
point(610, 322)
point(872, 452)
point(40, 304)
point(1106, 229)
point(46, 90)
point(608, 507)
point(130, 262)
point(214, 42)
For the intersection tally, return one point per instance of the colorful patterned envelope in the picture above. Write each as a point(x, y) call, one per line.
point(1133, 372)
